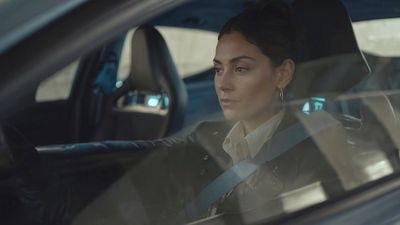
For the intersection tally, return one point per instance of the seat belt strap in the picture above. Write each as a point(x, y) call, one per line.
point(279, 144)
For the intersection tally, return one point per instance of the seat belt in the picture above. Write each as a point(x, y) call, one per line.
point(279, 144)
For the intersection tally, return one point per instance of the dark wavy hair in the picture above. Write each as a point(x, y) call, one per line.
point(272, 26)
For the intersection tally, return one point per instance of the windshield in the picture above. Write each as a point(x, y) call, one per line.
point(282, 108)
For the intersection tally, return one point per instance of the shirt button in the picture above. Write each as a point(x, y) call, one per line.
point(202, 172)
point(215, 133)
point(205, 157)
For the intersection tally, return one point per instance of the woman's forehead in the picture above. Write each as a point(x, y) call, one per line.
point(234, 46)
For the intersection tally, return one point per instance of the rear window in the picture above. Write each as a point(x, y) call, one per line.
point(59, 85)
point(379, 37)
point(192, 50)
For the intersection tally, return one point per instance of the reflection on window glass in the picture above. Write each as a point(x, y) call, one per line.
point(150, 100)
point(380, 37)
point(156, 101)
point(192, 50)
point(313, 104)
point(58, 86)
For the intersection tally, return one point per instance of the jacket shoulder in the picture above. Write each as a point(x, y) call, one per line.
point(211, 130)
point(209, 136)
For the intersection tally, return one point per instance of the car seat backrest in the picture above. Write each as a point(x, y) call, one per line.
point(153, 70)
point(151, 102)
point(330, 61)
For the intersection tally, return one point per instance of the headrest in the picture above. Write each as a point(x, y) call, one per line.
point(327, 28)
point(330, 60)
point(151, 62)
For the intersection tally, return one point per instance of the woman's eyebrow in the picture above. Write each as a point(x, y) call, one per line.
point(242, 57)
point(233, 60)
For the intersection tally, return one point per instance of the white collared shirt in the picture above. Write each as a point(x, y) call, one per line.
point(240, 146)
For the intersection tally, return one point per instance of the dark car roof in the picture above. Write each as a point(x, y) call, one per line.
point(24, 17)
point(210, 15)
point(372, 9)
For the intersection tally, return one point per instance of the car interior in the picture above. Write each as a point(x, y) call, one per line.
point(90, 137)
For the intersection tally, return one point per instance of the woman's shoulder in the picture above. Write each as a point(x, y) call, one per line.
point(216, 126)
point(210, 130)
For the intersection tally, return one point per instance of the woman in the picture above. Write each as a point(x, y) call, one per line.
point(254, 62)
point(250, 76)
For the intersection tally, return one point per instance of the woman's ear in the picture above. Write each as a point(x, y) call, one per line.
point(285, 73)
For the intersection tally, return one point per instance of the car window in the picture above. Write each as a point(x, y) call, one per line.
point(192, 50)
point(380, 37)
point(58, 86)
point(278, 147)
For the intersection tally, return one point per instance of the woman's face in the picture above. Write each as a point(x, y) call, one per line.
point(246, 82)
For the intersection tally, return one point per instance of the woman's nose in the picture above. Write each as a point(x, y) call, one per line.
point(224, 82)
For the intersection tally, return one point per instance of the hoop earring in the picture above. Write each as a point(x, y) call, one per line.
point(281, 95)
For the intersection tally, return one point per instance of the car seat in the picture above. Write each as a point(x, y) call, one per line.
point(330, 64)
point(151, 102)
point(330, 61)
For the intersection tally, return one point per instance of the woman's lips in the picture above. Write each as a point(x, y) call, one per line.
point(225, 102)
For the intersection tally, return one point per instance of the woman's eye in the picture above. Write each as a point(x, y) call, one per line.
point(241, 69)
point(217, 70)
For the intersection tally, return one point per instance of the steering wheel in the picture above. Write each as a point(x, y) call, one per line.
point(38, 197)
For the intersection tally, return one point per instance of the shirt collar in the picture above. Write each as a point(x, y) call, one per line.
point(263, 133)
point(255, 139)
